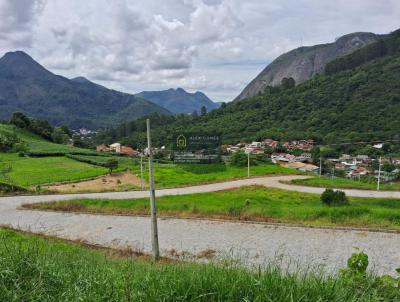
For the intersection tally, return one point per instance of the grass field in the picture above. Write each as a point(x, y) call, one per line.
point(345, 184)
point(36, 143)
point(250, 203)
point(39, 269)
point(124, 162)
point(172, 175)
point(32, 171)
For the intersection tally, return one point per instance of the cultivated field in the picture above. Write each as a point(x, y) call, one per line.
point(27, 171)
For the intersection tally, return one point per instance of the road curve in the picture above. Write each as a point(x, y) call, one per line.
point(251, 244)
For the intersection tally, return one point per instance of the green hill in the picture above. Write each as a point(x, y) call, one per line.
point(358, 104)
point(36, 143)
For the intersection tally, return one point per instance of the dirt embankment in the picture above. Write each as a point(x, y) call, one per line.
point(114, 182)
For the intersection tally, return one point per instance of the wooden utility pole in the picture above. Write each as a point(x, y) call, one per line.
point(154, 231)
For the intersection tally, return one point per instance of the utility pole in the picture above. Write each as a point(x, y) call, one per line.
point(141, 172)
point(248, 164)
point(320, 166)
point(154, 231)
point(379, 173)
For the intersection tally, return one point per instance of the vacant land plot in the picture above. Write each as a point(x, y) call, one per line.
point(345, 184)
point(123, 181)
point(39, 269)
point(250, 203)
point(28, 171)
point(171, 175)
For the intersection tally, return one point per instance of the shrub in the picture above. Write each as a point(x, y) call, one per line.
point(240, 159)
point(334, 198)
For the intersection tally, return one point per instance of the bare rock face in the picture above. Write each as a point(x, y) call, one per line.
point(305, 62)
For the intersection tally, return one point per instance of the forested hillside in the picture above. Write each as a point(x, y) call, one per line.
point(358, 104)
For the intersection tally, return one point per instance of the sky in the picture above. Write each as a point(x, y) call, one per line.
point(213, 46)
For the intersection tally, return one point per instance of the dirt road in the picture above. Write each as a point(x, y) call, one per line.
point(251, 244)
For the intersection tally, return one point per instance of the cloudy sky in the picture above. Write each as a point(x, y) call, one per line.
point(216, 46)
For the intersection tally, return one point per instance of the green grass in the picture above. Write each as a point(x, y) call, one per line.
point(28, 171)
point(36, 143)
point(265, 204)
point(124, 162)
point(345, 183)
point(172, 175)
point(40, 269)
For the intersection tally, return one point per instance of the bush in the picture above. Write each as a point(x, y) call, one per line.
point(11, 188)
point(239, 159)
point(334, 198)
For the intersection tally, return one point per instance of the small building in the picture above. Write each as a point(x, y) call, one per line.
point(116, 147)
point(102, 148)
point(303, 167)
point(129, 151)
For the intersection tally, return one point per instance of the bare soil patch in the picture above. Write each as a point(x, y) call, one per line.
point(115, 182)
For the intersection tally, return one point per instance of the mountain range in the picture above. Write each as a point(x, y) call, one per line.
point(179, 101)
point(28, 87)
point(303, 63)
point(356, 97)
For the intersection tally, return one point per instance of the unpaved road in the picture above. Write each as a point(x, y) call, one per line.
point(252, 244)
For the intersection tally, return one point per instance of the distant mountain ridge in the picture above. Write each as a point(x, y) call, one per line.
point(303, 63)
point(179, 101)
point(27, 86)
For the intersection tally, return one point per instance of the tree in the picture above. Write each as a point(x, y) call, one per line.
point(20, 120)
point(7, 141)
point(41, 127)
point(238, 159)
point(77, 141)
point(112, 164)
point(203, 110)
point(288, 83)
point(280, 148)
point(59, 136)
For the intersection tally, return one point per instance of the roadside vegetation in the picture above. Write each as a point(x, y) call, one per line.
point(250, 204)
point(34, 268)
point(345, 183)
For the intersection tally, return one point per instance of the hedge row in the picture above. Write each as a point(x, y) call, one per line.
point(8, 188)
point(88, 160)
point(61, 153)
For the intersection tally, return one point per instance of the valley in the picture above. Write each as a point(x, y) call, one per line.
point(171, 157)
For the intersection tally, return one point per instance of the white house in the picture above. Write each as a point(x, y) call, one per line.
point(116, 147)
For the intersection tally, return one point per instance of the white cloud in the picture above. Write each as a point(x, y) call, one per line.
point(216, 46)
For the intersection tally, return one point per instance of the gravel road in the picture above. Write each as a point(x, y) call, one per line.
point(251, 244)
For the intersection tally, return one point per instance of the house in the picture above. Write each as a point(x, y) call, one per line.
point(270, 143)
point(254, 147)
point(282, 158)
point(116, 147)
point(303, 167)
point(102, 148)
point(129, 151)
point(304, 157)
